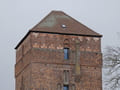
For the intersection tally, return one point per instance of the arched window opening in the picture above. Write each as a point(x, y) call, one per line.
point(66, 76)
point(66, 43)
point(66, 87)
point(66, 53)
point(66, 49)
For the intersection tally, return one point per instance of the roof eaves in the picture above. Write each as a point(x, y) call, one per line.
point(66, 33)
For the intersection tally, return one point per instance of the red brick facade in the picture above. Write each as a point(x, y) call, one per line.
point(40, 63)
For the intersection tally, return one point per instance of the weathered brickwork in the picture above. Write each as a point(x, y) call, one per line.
point(23, 80)
point(46, 58)
point(55, 41)
point(40, 63)
point(23, 49)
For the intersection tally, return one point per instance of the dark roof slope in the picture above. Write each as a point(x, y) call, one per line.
point(59, 22)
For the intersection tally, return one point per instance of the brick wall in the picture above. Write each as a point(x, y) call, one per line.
point(43, 60)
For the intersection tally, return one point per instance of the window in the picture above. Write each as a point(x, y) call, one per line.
point(66, 53)
point(66, 76)
point(66, 87)
point(63, 26)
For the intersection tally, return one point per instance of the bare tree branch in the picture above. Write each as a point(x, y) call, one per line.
point(112, 62)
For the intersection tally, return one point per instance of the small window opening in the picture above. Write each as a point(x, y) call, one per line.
point(65, 87)
point(66, 76)
point(66, 53)
point(63, 26)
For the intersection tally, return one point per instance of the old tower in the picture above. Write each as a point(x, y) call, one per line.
point(59, 53)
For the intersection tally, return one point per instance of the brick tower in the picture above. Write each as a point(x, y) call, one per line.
point(59, 53)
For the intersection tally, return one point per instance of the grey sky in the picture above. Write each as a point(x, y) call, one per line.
point(18, 16)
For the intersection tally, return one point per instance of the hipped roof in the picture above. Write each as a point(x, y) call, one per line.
point(54, 21)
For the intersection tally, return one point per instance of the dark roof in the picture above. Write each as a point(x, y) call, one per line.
point(58, 22)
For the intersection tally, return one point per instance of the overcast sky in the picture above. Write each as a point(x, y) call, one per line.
point(18, 16)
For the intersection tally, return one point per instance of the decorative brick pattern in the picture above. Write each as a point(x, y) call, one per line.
point(46, 64)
